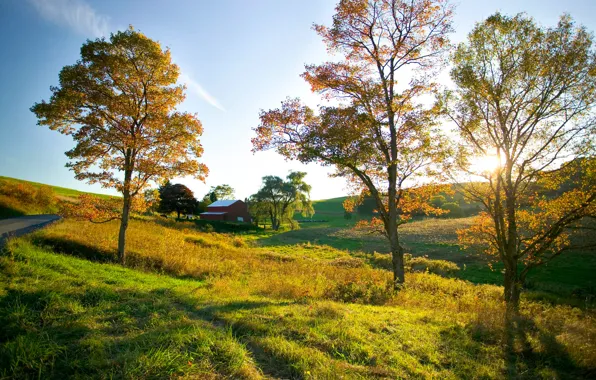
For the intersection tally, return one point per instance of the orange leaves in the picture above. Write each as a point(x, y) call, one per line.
point(119, 103)
point(99, 209)
point(385, 30)
point(481, 234)
point(418, 199)
point(92, 208)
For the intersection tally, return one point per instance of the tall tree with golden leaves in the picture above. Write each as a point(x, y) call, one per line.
point(118, 102)
point(378, 135)
point(526, 96)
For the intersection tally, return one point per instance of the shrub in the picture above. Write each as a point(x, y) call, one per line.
point(45, 196)
point(221, 226)
point(24, 192)
point(455, 211)
point(18, 199)
point(424, 264)
point(365, 292)
point(348, 262)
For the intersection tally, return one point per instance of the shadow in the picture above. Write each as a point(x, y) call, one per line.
point(529, 352)
point(96, 330)
point(8, 212)
point(134, 260)
point(72, 248)
point(524, 360)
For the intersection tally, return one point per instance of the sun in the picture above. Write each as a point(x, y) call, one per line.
point(485, 164)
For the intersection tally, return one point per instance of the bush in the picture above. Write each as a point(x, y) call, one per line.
point(24, 192)
point(45, 196)
point(424, 264)
point(455, 211)
point(364, 292)
point(437, 200)
point(348, 262)
point(18, 199)
point(221, 226)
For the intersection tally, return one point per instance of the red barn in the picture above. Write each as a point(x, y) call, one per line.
point(227, 210)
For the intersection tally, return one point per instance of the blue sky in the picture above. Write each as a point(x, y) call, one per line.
point(237, 57)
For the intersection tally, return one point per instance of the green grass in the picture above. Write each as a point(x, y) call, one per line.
point(311, 303)
point(67, 317)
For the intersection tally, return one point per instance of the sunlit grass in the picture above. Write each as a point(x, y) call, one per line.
point(212, 305)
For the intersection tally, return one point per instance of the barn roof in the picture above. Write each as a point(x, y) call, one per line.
point(212, 213)
point(223, 203)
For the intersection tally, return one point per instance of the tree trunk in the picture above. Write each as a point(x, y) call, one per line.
point(123, 227)
point(125, 209)
point(397, 261)
point(512, 287)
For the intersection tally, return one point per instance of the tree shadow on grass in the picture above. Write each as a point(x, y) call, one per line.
point(89, 252)
point(523, 360)
point(528, 351)
point(73, 248)
point(96, 331)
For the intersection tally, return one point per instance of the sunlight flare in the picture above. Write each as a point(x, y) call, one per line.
point(486, 164)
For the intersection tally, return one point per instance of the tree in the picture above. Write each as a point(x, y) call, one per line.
point(118, 103)
point(152, 199)
point(222, 192)
point(178, 198)
point(379, 136)
point(525, 96)
point(258, 210)
point(279, 199)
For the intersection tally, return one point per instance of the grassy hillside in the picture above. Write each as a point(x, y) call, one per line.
point(59, 191)
point(19, 197)
point(212, 306)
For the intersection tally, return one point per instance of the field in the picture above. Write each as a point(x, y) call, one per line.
point(569, 278)
point(309, 303)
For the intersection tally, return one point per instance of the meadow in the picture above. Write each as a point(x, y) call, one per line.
point(316, 302)
point(206, 305)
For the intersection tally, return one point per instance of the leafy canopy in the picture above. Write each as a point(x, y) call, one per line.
point(377, 133)
point(526, 96)
point(118, 103)
point(176, 198)
point(278, 200)
point(222, 192)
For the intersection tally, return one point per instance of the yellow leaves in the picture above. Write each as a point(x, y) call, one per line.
point(119, 103)
point(418, 199)
point(480, 234)
point(92, 208)
point(349, 204)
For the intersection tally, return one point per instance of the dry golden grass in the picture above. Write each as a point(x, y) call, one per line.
point(229, 266)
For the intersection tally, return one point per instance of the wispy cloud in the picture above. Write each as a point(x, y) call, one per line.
point(81, 18)
point(199, 90)
point(74, 14)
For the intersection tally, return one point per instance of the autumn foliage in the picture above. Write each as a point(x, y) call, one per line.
point(377, 134)
point(526, 94)
point(118, 102)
